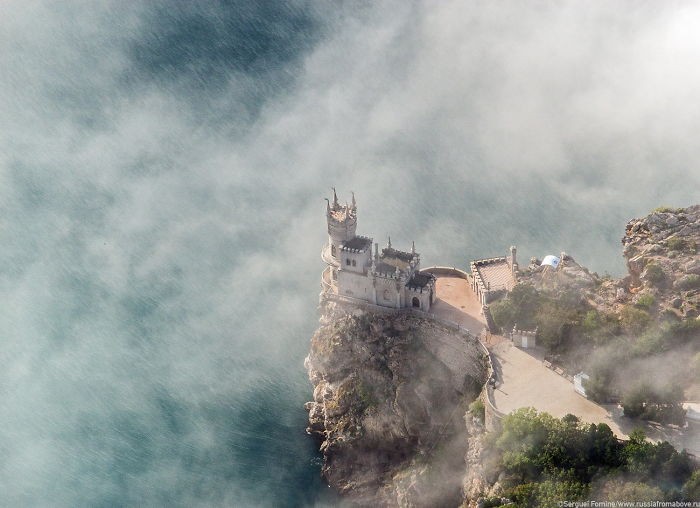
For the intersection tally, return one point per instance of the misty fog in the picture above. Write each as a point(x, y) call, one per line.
point(162, 173)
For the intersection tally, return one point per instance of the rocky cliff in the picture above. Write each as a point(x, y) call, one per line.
point(390, 394)
point(661, 250)
point(663, 261)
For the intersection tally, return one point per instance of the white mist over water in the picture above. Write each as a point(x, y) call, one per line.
point(162, 170)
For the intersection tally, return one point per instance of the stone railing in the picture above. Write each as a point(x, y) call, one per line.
point(326, 282)
point(446, 270)
point(326, 256)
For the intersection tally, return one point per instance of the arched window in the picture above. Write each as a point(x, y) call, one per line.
point(333, 250)
point(354, 263)
point(387, 295)
point(347, 261)
point(416, 302)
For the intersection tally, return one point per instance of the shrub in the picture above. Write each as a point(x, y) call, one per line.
point(364, 395)
point(691, 489)
point(689, 282)
point(662, 405)
point(654, 273)
point(676, 243)
point(650, 342)
point(618, 490)
point(478, 410)
point(634, 320)
point(503, 314)
point(645, 301)
point(518, 307)
point(681, 332)
point(666, 209)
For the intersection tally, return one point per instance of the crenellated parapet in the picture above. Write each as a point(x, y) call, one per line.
point(391, 279)
point(492, 277)
point(523, 338)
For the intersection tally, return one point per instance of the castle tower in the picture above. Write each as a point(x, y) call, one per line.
point(342, 223)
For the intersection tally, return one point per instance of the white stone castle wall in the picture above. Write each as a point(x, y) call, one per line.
point(423, 298)
point(362, 261)
point(387, 293)
point(354, 284)
point(338, 233)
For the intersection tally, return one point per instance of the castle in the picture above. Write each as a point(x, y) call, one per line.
point(390, 279)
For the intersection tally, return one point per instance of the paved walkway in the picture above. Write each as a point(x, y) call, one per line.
point(524, 381)
point(455, 301)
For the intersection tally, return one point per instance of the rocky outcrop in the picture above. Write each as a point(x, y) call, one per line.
point(390, 394)
point(663, 261)
point(569, 276)
point(662, 256)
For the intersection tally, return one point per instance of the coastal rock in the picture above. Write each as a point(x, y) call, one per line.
point(386, 396)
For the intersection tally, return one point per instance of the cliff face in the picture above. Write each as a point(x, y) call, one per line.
point(663, 261)
point(661, 250)
point(390, 393)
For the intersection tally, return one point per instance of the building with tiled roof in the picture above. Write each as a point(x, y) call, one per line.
point(494, 277)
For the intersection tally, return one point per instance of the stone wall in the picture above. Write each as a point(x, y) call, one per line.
point(354, 284)
point(361, 259)
point(446, 271)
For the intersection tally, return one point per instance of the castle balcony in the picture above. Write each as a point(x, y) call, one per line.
point(327, 258)
point(327, 283)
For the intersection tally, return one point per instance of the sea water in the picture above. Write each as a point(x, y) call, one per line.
point(162, 179)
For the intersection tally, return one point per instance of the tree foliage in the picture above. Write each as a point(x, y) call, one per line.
point(660, 404)
point(549, 460)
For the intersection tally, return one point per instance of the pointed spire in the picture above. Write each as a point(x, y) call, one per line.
point(413, 247)
point(354, 204)
point(389, 243)
point(328, 206)
point(347, 210)
point(335, 199)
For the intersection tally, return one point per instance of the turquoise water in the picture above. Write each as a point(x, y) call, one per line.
point(162, 174)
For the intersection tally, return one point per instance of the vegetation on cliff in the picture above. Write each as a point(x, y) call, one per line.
point(390, 393)
point(618, 330)
point(545, 460)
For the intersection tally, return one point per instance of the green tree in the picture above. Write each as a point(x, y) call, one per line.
point(661, 404)
point(523, 435)
point(691, 489)
point(519, 307)
point(549, 493)
point(554, 324)
point(617, 490)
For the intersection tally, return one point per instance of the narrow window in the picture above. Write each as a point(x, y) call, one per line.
point(353, 263)
point(347, 262)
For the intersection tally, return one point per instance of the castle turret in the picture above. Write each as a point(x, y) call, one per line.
point(342, 223)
